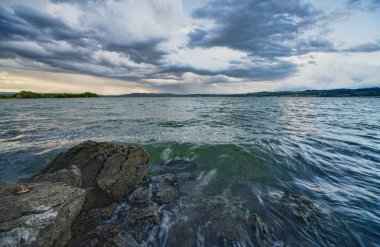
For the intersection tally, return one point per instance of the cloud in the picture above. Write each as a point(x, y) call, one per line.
point(336, 70)
point(267, 29)
point(83, 37)
point(14, 80)
point(368, 47)
point(222, 44)
point(140, 52)
point(30, 34)
point(370, 5)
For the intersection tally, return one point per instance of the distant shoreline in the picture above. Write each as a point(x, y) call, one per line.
point(33, 95)
point(363, 92)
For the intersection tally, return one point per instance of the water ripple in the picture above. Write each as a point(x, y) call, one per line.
point(307, 167)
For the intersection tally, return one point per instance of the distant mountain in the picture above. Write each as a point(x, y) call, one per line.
point(363, 92)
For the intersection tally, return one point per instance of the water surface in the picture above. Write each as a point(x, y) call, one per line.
point(308, 167)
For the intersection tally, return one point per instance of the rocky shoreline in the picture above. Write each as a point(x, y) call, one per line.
point(74, 199)
point(102, 194)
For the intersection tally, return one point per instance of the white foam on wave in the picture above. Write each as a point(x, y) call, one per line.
point(205, 178)
point(166, 154)
point(165, 227)
point(200, 238)
point(121, 207)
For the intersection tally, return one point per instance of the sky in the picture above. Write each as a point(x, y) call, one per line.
point(189, 46)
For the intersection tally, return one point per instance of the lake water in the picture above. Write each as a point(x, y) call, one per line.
point(308, 167)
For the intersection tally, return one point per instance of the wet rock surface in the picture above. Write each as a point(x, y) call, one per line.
point(150, 212)
point(95, 227)
point(140, 195)
point(123, 172)
point(42, 216)
point(261, 227)
point(166, 194)
point(70, 176)
point(108, 171)
point(106, 235)
point(91, 219)
point(86, 180)
point(168, 178)
point(88, 156)
point(302, 208)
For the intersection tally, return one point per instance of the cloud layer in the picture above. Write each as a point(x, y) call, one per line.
point(157, 45)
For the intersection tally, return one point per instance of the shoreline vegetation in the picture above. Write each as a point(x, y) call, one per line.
point(33, 95)
point(363, 92)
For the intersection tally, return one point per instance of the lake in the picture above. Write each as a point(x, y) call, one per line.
point(307, 167)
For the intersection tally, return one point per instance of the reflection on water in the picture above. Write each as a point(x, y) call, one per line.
point(270, 171)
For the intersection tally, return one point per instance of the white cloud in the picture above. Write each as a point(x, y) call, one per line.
point(214, 59)
point(336, 71)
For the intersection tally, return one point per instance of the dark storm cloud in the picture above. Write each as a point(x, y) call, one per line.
point(140, 52)
point(14, 28)
point(28, 33)
point(262, 28)
point(269, 30)
point(25, 23)
point(31, 34)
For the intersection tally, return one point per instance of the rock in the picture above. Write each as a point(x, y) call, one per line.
point(102, 227)
point(106, 236)
point(262, 230)
point(71, 176)
point(88, 156)
point(150, 212)
point(40, 217)
point(139, 196)
point(141, 221)
point(96, 198)
point(185, 176)
point(122, 173)
point(166, 194)
point(108, 171)
point(302, 208)
point(91, 219)
point(167, 178)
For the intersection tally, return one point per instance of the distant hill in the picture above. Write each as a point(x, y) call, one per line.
point(363, 92)
point(148, 95)
point(33, 95)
